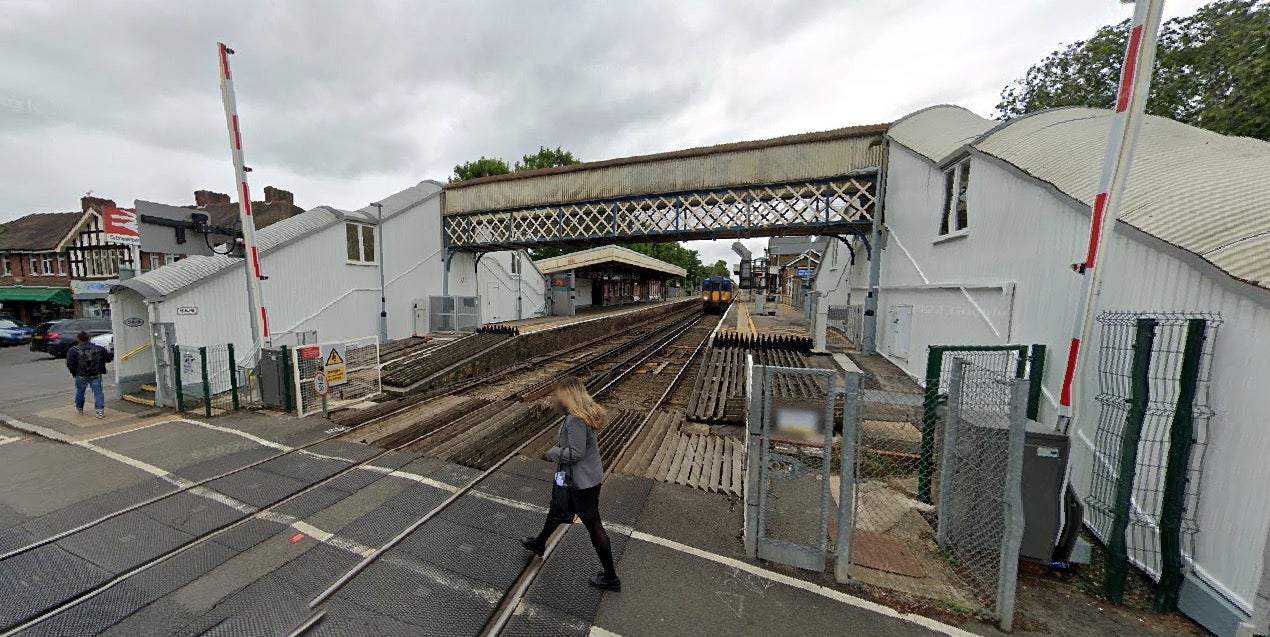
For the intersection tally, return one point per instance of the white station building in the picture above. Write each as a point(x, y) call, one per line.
point(982, 222)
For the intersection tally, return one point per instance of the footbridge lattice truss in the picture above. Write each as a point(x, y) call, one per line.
point(817, 183)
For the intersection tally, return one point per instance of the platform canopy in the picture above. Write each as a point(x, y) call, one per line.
point(811, 184)
point(610, 257)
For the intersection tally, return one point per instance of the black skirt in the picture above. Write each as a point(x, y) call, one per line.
point(567, 502)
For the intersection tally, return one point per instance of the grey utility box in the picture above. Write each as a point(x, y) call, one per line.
point(272, 375)
point(1044, 465)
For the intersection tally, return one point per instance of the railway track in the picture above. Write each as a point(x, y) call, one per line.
point(519, 437)
point(443, 427)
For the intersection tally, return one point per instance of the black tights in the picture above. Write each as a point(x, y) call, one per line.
point(586, 503)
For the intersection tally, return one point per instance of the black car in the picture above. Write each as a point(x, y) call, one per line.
point(55, 337)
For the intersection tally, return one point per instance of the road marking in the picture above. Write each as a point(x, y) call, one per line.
point(128, 431)
point(823, 591)
point(4, 440)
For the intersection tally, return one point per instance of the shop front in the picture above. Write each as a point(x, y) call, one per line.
point(90, 297)
point(34, 304)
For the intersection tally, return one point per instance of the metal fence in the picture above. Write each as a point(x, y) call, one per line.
point(210, 379)
point(353, 374)
point(981, 504)
point(1153, 378)
point(453, 313)
point(1012, 361)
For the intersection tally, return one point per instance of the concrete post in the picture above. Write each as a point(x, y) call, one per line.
point(820, 321)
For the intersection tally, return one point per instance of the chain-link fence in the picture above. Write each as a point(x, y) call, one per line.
point(210, 379)
point(981, 505)
point(1010, 361)
point(899, 540)
point(351, 369)
point(1153, 378)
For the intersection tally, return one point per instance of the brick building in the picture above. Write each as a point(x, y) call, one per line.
point(55, 265)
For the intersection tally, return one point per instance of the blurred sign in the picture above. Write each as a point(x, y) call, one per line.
point(806, 273)
point(186, 311)
point(310, 353)
point(799, 419)
point(121, 226)
point(319, 384)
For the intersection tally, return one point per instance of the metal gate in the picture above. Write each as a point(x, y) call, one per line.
point(788, 496)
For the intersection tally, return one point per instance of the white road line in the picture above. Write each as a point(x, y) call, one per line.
point(823, 591)
point(4, 440)
point(596, 631)
point(128, 431)
point(242, 434)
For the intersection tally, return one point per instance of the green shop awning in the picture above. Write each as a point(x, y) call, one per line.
point(60, 296)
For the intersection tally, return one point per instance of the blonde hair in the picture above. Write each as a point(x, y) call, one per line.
point(577, 401)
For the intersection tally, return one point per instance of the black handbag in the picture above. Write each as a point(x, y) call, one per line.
point(561, 500)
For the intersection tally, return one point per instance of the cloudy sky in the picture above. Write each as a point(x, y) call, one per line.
point(344, 103)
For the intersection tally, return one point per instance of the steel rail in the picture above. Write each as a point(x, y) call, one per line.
point(507, 608)
point(462, 491)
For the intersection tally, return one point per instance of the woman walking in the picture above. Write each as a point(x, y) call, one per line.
point(579, 473)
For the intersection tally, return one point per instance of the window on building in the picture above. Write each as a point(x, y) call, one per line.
point(8, 269)
point(61, 265)
point(46, 262)
point(955, 217)
point(515, 263)
point(360, 240)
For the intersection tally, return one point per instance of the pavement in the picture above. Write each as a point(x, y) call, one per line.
point(681, 557)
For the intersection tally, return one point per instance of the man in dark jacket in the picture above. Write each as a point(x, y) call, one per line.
point(87, 362)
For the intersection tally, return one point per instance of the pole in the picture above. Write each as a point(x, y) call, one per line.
point(869, 336)
point(255, 296)
point(383, 297)
point(1135, 84)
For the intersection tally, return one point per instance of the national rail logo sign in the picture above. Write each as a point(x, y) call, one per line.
point(334, 357)
point(121, 225)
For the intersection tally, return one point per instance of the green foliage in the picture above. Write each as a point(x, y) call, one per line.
point(1212, 71)
point(483, 167)
point(546, 158)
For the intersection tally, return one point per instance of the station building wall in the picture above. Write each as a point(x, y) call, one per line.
point(1007, 280)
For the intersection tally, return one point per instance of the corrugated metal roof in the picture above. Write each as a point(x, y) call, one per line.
point(171, 278)
point(937, 131)
point(607, 254)
point(785, 159)
point(1205, 193)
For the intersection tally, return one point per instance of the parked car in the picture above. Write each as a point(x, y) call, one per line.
point(107, 341)
point(55, 337)
point(14, 332)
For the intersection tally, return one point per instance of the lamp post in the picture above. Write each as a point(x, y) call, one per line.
point(383, 297)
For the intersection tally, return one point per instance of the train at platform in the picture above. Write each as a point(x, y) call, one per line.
point(716, 294)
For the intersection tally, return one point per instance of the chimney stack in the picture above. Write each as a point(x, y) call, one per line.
point(277, 195)
point(204, 198)
point(95, 203)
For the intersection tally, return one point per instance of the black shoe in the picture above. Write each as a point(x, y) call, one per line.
point(605, 583)
point(531, 544)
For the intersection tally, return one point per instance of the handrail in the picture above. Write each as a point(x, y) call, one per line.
point(135, 352)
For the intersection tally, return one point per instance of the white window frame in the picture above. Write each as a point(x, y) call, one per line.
point(61, 265)
point(33, 265)
point(957, 195)
point(361, 243)
point(8, 267)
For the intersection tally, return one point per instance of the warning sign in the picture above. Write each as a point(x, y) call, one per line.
point(333, 363)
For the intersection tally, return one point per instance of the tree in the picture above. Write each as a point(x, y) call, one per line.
point(546, 158)
point(483, 167)
point(1212, 71)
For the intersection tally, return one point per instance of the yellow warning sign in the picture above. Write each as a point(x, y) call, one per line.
point(334, 363)
point(336, 376)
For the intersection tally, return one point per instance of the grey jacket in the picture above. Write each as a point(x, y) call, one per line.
point(578, 449)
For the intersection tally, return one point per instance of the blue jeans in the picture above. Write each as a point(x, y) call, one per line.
point(99, 396)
